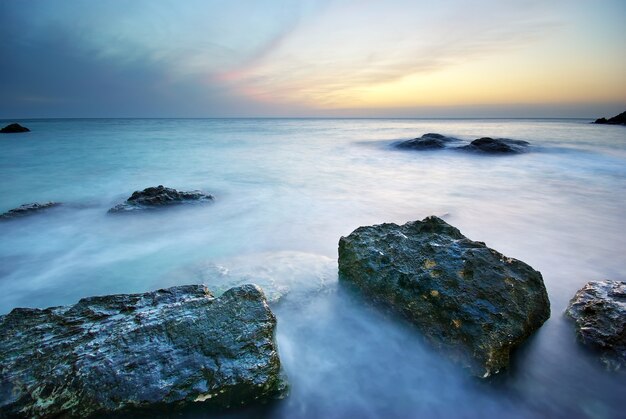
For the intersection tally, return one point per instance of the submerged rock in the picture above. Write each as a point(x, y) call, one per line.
point(430, 141)
point(13, 129)
point(599, 311)
point(496, 145)
point(467, 299)
point(160, 196)
point(616, 120)
point(285, 276)
point(27, 209)
point(116, 353)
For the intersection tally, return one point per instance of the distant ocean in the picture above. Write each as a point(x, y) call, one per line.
point(285, 191)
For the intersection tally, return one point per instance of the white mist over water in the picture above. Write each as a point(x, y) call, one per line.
point(286, 190)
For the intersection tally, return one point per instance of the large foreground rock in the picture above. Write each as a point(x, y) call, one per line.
point(599, 311)
point(616, 120)
point(159, 196)
point(430, 141)
point(27, 209)
point(161, 349)
point(467, 299)
point(13, 129)
point(496, 146)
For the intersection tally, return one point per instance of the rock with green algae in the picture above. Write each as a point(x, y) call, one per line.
point(123, 353)
point(468, 300)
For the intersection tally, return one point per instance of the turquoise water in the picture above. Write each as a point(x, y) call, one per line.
point(286, 190)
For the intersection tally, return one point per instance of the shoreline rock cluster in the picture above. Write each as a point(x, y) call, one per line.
point(119, 353)
point(182, 346)
point(147, 199)
point(468, 300)
point(616, 120)
point(487, 145)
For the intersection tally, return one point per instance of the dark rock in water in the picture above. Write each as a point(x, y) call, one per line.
point(13, 129)
point(467, 299)
point(27, 209)
point(119, 353)
point(616, 120)
point(159, 196)
point(599, 310)
point(496, 145)
point(430, 141)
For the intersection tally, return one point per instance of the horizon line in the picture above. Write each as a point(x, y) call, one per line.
point(299, 117)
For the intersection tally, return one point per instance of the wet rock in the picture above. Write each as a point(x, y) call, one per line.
point(27, 209)
point(496, 146)
point(466, 299)
point(430, 141)
point(616, 120)
point(160, 196)
point(13, 129)
point(118, 353)
point(599, 312)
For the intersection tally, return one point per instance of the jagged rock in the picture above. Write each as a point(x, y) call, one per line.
point(466, 299)
point(27, 209)
point(121, 353)
point(599, 312)
point(13, 129)
point(155, 197)
point(616, 120)
point(430, 141)
point(496, 145)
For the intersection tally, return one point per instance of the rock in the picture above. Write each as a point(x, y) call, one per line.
point(27, 209)
point(599, 312)
point(13, 129)
point(466, 299)
point(160, 196)
point(430, 141)
point(616, 120)
point(119, 353)
point(496, 145)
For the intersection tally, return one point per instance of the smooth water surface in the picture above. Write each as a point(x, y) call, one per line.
point(286, 190)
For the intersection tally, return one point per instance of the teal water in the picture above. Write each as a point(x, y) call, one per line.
point(286, 190)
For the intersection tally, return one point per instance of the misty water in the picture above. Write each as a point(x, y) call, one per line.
point(286, 191)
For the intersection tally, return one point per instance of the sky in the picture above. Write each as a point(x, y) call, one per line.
point(306, 58)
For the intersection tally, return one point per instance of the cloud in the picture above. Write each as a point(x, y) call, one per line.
point(327, 63)
point(276, 57)
point(134, 58)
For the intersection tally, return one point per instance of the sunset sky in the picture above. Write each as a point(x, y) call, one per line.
point(446, 58)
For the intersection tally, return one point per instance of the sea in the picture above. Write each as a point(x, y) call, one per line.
point(285, 191)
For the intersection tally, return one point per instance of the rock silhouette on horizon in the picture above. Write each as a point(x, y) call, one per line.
point(488, 145)
point(14, 128)
point(496, 146)
point(430, 141)
point(616, 120)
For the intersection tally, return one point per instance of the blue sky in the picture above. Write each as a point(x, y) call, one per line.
point(312, 58)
